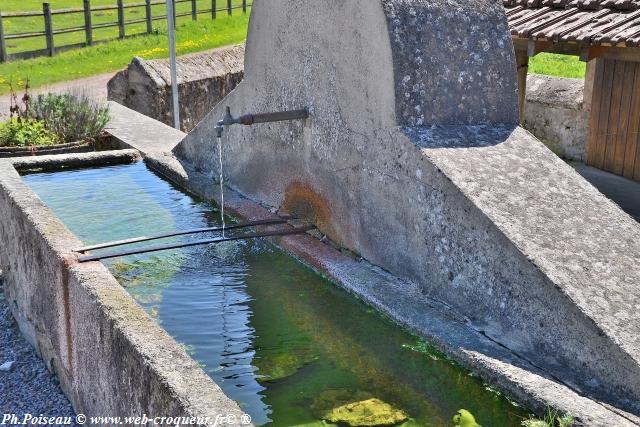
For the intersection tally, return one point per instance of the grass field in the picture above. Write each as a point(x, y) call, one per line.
point(557, 65)
point(191, 36)
point(14, 25)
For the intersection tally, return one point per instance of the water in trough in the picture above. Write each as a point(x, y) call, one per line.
point(288, 345)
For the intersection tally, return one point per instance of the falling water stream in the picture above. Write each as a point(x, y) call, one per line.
point(221, 179)
point(290, 347)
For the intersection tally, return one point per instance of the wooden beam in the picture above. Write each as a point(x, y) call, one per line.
point(631, 54)
point(574, 49)
point(535, 47)
point(522, 61)
point(592, 52)
point(589, 79)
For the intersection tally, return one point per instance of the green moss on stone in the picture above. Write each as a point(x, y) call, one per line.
point(278, 366)
point(356, 409)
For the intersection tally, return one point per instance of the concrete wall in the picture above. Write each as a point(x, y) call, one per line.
point(111, 358)
point(412, 158)
point(555, 114)
point(203, 79)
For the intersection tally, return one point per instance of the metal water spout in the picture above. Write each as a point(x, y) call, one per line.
point(250, 119)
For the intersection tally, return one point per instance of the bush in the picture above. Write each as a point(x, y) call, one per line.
point(22, 132)
point(72, 117)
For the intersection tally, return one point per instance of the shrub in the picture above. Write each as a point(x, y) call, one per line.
point(21, 132)
point(73, 117)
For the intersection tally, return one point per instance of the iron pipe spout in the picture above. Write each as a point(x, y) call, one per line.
point(251, 119)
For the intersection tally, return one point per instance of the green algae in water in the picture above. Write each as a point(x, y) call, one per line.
point(282, 363)
point(277, 337)
point(465, 418)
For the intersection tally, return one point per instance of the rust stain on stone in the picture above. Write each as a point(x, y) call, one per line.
point(302, 201)
point(66, 265)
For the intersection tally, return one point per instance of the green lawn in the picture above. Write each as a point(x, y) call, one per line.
point(191, 36)
point(557, 65)
point(14, 25)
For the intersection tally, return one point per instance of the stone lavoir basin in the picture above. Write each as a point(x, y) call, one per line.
point(290, 347)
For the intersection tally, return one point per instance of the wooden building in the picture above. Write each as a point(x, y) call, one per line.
point(606, 35)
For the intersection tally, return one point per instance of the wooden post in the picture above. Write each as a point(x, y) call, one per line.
point(244, 6)
point(48, 28)
point(3, 44)
point(522, 61)
point(121, 32)
point(194, 10)
point(591, 143)
point(147, 9)
point(214, 9)
point(589, 79)
point(229, 10)
point(88, 30)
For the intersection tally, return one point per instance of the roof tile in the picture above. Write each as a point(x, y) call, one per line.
point(592, 22)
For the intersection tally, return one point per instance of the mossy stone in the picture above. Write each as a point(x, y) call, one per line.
point(279, 366)
point(356, 409)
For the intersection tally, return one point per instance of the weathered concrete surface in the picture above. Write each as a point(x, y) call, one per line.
point(404, 302)
point(131, 129)
point(204, 78)
point(111, 358)
point(475, 210)
point(556, 115)
point(451, 62)
point(76, 160)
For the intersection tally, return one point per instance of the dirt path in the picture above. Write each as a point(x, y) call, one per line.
point(94, 85)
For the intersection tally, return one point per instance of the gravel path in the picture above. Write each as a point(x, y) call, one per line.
point(28, 387)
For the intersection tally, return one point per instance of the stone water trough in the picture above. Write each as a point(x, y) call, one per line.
point(433, 206)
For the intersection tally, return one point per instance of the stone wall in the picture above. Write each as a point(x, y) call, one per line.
point(203, 79)
point(556, 115)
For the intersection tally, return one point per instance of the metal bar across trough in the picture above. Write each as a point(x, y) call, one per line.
point(87, 258)
point(105, 245)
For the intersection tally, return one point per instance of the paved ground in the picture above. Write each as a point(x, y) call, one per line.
point(27, 387)
point(94, 85)
point(623, 191)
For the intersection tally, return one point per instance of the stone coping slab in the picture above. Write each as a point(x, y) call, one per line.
point(76, 160)
point(134, 130)
point(574, 249)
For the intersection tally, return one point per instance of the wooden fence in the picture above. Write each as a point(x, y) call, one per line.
point(49, 32)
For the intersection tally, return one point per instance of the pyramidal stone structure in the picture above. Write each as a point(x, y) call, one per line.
point(413, 159)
